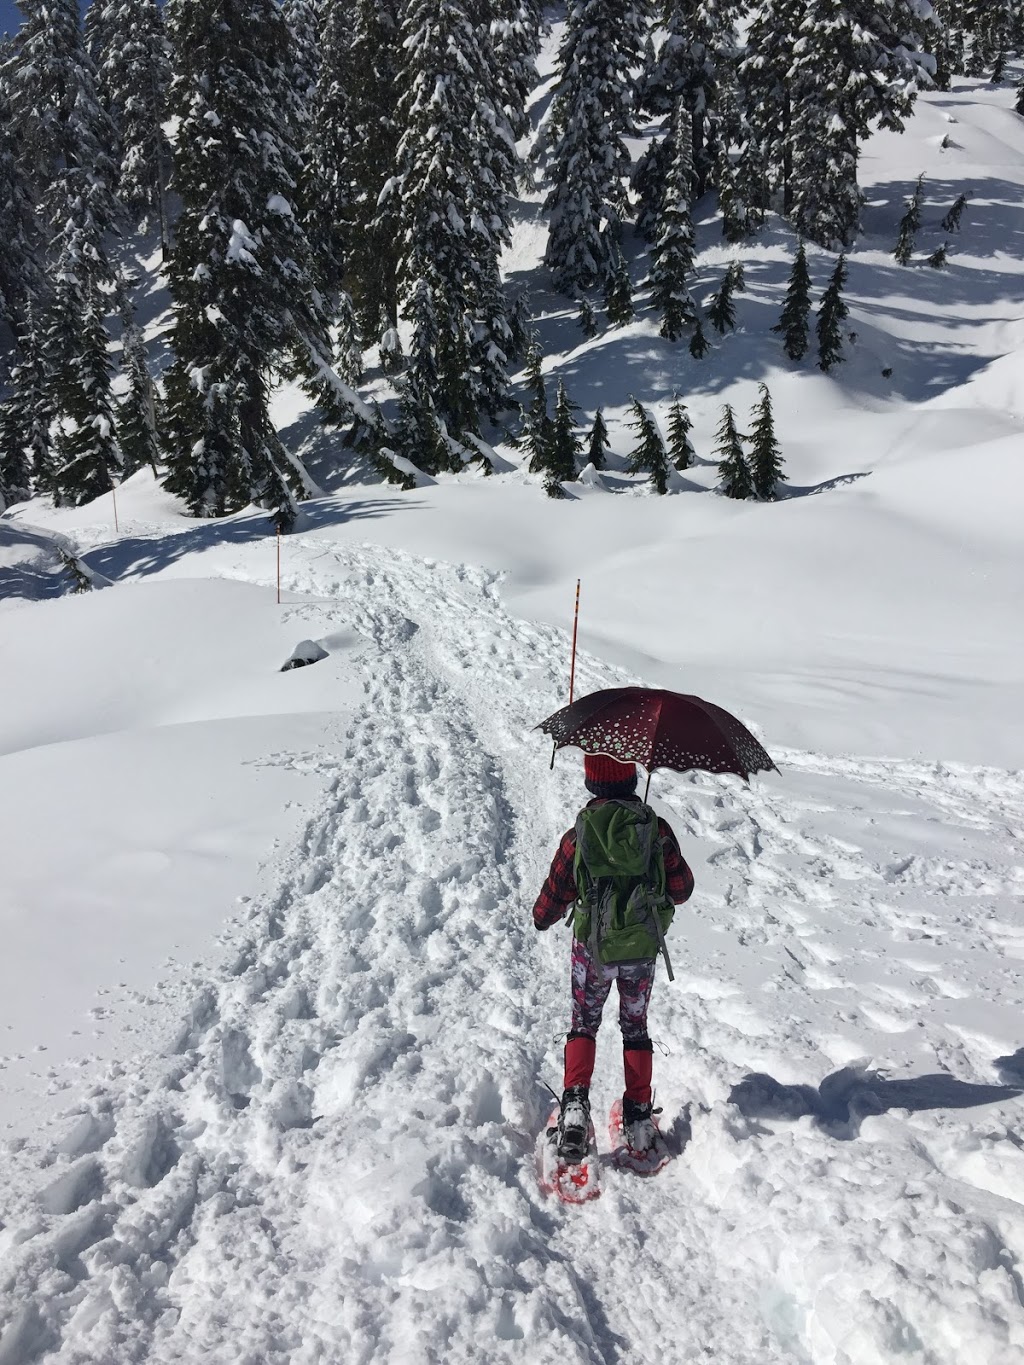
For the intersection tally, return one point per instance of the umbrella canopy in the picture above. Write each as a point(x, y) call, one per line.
point(658, 729)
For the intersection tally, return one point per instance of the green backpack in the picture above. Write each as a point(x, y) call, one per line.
point(622, 909)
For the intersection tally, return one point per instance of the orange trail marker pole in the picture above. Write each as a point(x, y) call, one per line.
point(279, 566)
point(572, 666)
point(575, 629)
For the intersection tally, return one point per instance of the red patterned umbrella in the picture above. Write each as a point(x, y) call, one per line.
point(658, 729)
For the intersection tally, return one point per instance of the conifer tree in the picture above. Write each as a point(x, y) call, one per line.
point(680, 424)
point(419, 434)
point(773, 32)
point(649, 455)
point(353, 148)
point(88, 460)
point(722, 310)
point(674, 248)
point(849, 65)
point(76, 344)
point(456, 168)
point(765, 453)
point(15, 479)
point(939, 257)
point(21, 278)
point(794, 324)
point(618, 298)
point(1019, 105)
point(695, 63)
point(951, 222)
point(136, 412)
point(699, 344)
point(598, 442)
point(587, 318)
point(565, 443)
point(54, 106)
point(538, 428)
point(515, 40)
point(26, 435)
point(129, 47)
point(832, 312)
point(588, 159)
point(733, 469)
point(910, 223)
point(242, 277)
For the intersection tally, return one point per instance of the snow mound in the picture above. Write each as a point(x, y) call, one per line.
point(36, 564)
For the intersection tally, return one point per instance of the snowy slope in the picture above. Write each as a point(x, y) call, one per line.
point(334, 1160)
point(271, 931)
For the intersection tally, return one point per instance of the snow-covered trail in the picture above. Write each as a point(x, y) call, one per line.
point(335, 1161)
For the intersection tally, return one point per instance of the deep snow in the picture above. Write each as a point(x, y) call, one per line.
point(272, 929)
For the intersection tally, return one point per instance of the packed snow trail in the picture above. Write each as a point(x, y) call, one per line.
point(335, 1161)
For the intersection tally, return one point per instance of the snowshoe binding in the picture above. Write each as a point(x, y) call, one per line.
point(637, 1142)
point(568, 1150)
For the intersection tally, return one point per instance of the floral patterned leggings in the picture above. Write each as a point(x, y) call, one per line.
point(591, 983)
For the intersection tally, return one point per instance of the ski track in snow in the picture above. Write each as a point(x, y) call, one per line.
point(334, 1162)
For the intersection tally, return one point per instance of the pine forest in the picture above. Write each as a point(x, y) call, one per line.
point(326, 191)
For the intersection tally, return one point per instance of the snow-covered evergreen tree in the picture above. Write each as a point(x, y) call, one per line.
point(722, 309)
point(675, 248)
point(242, 276)
point(598, 442)
point(695, 63)
point(456, 169)
point(76, 347)
point(649, 455)
point(733, 469)
point(588, 160)
point(20, 259)
point(55, 110)
point(515, 39)
point(353, 152)
point(765, 453)
point(565, 443)
point(587, 318)
point(618, 294)
point(538, 428)
point(939, 257)
point(129, 47)
point(699, 344)
point(1019, 105)
point(88, 460)
point(764, 74)
point(794, 324)
point(137, 436)
point(832, 313)
point(851, 65)
point(680, 424)
point(910, 225)
point(951, 222)
point(26, 432)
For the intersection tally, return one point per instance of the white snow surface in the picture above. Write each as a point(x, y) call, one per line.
point(277, 1023)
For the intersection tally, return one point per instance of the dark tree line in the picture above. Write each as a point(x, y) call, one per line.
point(325, 176)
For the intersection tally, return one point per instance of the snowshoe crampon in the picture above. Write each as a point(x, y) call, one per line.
point(647, 1162)
point(573, 1181)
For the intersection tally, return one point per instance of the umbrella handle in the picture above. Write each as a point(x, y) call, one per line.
point(554, 750)
point(647, 788)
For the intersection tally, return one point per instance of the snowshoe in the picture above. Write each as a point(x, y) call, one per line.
point(637, 1143)
point(568, 1157)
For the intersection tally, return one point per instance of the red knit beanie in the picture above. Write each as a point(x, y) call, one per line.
point(598, 768)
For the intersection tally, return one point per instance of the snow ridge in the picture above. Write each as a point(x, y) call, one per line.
point(335, 1160)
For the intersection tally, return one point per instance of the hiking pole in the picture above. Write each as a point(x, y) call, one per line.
point(572, 665)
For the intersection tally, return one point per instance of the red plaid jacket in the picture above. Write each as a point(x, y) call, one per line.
point(559, 889)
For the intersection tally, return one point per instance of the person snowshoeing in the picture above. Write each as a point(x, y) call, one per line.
point(621, 866)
